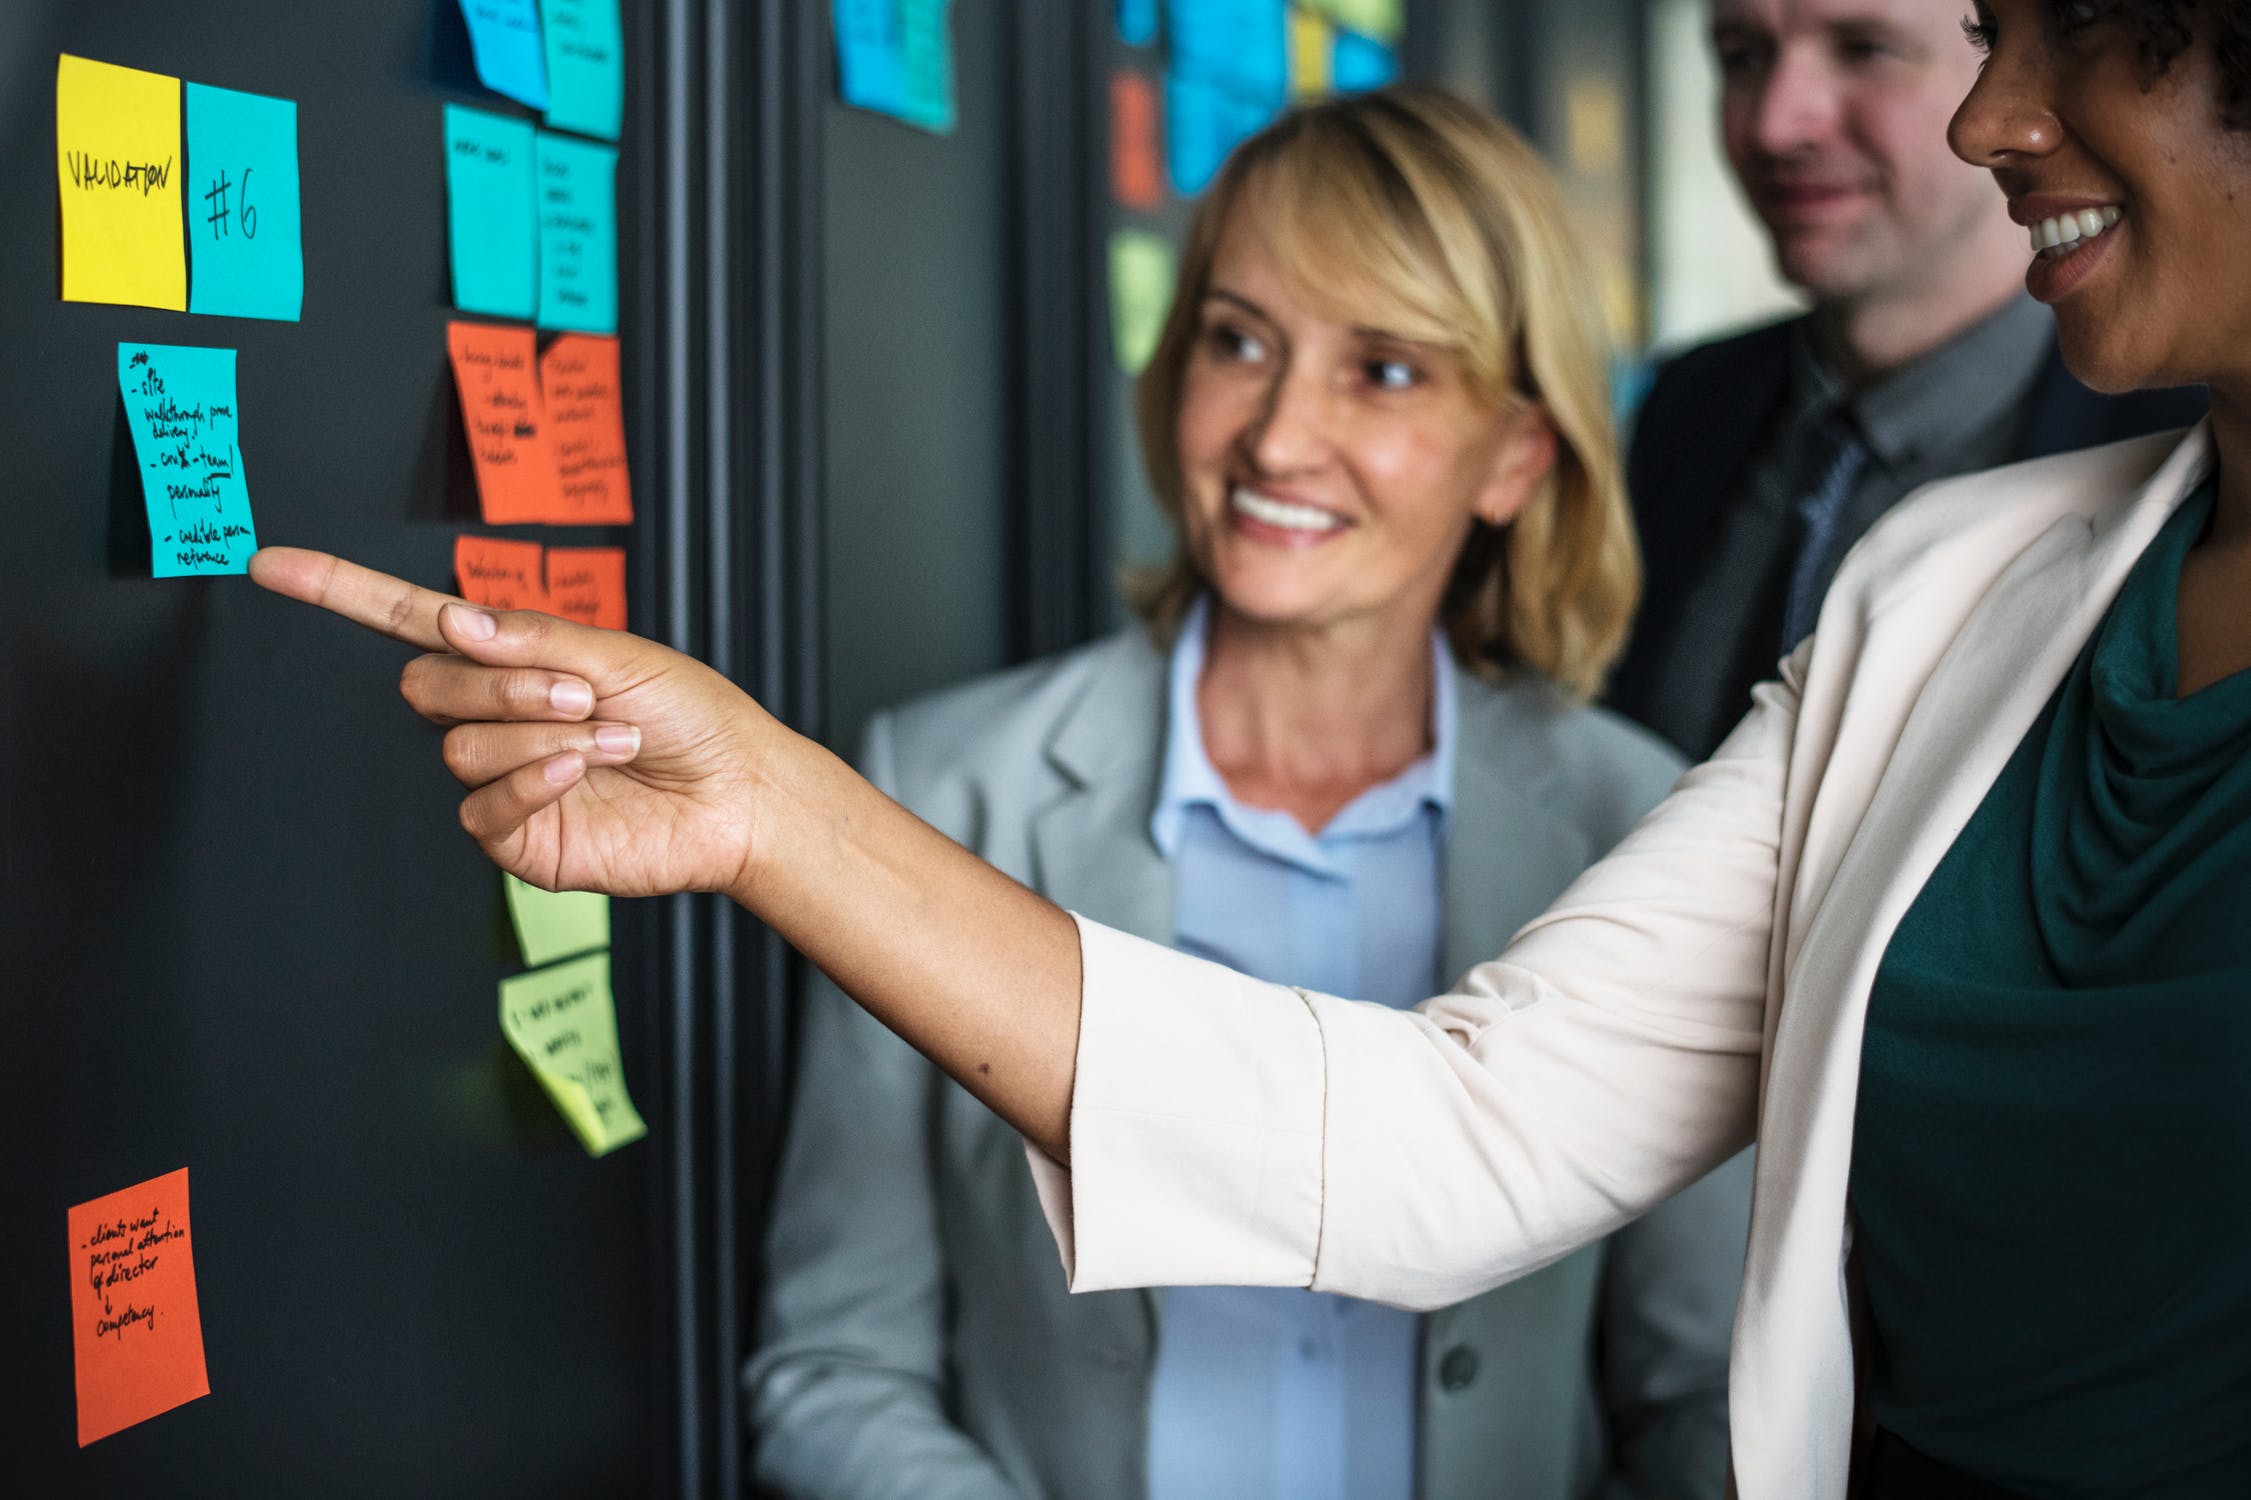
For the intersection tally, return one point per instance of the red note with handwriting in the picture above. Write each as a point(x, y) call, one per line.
point(499, 574)
point(1135, 180)
point(578, 380)
point(134, 1320)
point(497, 372)
point(587, 584)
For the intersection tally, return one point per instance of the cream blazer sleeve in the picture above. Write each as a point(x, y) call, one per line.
point(1227, 1131)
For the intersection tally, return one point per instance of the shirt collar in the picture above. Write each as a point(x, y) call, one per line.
point(1189, 778)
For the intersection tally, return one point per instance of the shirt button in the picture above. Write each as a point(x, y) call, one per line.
point(1458, 1368)
point(1308, 1349)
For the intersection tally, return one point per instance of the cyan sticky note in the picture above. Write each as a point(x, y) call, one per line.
point(1137, 22)
point(577, 235)
point(180, 405)
point(504, 36)
point(492, 223)
point(246, 255)
point(1360, 63)
point(585, 66)
point(896, 57)
point(1204, 123)
point(1241, 46)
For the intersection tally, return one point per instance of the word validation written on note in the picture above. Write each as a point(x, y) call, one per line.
point(135, 1327)
point(118, 130)
point(562, 1021)
point(180, 404)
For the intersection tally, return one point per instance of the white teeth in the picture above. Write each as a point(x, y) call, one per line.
point(1282, 513)
point(2062, 233)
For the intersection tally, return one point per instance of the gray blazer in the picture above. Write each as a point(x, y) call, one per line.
point(916, 1339)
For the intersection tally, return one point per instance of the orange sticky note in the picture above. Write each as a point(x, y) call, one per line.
point(496, 371)
point(587, 584)
point(1135, 180)
point(134, 1320)
point(578, 380)
point(499, 574)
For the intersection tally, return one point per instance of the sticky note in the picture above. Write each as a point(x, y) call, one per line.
point(492, 226)
point(1203, 123)
point(1135, 179)
point(118, 130)
point(585, 66)
point(1362, 63)
point(896, 57)
point(495, 370)
point(500, 574)
point(577, 234)
point(1137, 22)
point(1237, 45)
point(135, 1325)
point(1312, 39)
point(556, 924)
point(504, 36)
point(562, 1021)
point(587, 584)
point(1380, 19)
point(180, 406)
point(578, 383)
point(245, 237)
point(1141, 275)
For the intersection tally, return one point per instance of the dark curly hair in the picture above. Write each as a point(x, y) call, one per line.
point(2162, 30)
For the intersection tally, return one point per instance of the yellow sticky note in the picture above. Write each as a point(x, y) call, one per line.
point(1141, 277)
point(562, 1022)
point(118, 131)
point(556, 924)
point(1312, 40)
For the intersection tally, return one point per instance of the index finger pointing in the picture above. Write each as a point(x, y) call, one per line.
point(382, 603)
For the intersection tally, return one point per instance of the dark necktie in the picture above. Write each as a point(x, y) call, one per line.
point(1840, 456)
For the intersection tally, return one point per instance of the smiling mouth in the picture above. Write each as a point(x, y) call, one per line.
point(1281, 513)
point(2058, 236)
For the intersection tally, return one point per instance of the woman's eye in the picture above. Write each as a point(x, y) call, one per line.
point(1233, 343)
point(1979, 33)
point(1393, 375)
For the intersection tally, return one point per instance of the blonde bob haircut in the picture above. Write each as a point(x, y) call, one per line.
point(1409, 210)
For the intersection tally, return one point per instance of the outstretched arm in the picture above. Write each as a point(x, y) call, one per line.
point(696, 787)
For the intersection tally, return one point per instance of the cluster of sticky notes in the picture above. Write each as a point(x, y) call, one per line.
point(136, 1330)
point(124, 187)
point(562, 1021)
point(180, 406)
point(896, 58)
point(1141, 279)
point(586, 584)
point(546, 432)
point(531, 222)
point(566, 57)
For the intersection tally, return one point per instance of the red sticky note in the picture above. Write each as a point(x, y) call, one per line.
point(1135, 179)
point(587, 584)
point(134, 1320)
point(578, 380)
point(496, 371)
point(499, 574)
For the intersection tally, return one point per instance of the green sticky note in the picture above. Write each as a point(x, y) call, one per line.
point(180, 404)
point(556, 924)
point(1141, 273)
point(577, 235)
point(246, 256)
point(563, 1023)
point(492, 228)
point(585, 66)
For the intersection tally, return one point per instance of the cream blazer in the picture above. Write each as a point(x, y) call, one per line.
point(1704, 983)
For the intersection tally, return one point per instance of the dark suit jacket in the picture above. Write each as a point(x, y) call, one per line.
point(1708, 414)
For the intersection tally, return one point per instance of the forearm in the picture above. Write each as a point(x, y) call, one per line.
point(974, 971)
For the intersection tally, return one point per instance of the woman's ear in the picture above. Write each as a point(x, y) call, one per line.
point(1525, 457)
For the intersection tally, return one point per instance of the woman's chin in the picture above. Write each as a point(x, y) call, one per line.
point(2101, 354)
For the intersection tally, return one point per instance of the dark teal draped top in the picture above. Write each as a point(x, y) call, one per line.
point(2051, 1176)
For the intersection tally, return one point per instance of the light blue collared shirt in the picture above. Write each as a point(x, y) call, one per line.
point(1265, 1393)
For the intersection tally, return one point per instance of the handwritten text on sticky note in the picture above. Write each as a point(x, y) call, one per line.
point(587, 584)
point(577, 234)
point(585, 66)
point(491, 225)
point(504, 39)
point(180, 405)
point(496, 372)
point(578, 380)
point(135, 1325)
point(500, 574)
point(118, 130)
point(244, 234)
point(562, 1021)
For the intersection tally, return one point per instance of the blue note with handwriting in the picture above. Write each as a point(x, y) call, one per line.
point(504, 36)
point(585, 66)
point(492, 227)
point(246, 255)
point(180, 405)
point(577, 235)
point(896, 57)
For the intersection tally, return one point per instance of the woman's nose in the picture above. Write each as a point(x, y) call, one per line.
point(2006, 117)
point(1293, 430)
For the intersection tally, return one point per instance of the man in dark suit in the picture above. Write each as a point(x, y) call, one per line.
point(1758, 460)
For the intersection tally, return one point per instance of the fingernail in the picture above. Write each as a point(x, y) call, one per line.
point(476, 624)
point(617, 739)
point(571, 697)
point(563, 770)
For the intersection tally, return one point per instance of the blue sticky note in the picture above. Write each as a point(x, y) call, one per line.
point(585, 66)
point(180, 405)
point(1137, 22)
point(492, 224)
point(896, 57)
point(577, 235)
point(246, 253)
point(1203, 123)
point(504, 35)
point(1360, 63)
point(1241, 46)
